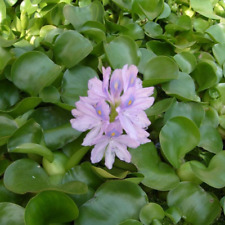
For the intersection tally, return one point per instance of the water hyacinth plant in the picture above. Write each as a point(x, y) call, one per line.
point(114, 112)
point(145, 82)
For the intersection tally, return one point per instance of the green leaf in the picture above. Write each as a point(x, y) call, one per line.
point(186, 61)
point(8, 126)
point(50, 94)
point(4, 163)
point(75, 83)
point(23, 106)
point(153, 29)
point(174, 134)
point(124, 45)
point(150, 212)
point(83, 173)
point(131, 222)
point(56, 138)
point(71, 47)
point(214, 174)
point(2, 11)
point(30, 132)
point(34, 149)
point(157, 175)
point(151, 9)
point(210, 139)
point(47, 207)
point(155, 72)
point(126, 197)
point(191, 110)
point(78, 16)
point(25, 175)
point(9, 95)
point(218, 52)
point(216, 32)
point(182, 88)
point(166, 11)
point(126, 5)
point(40, 72)
point(205, 9)
point(11, 213)
point(205, 75)
point(160, 107)
point(188, 196)
point(5, 55)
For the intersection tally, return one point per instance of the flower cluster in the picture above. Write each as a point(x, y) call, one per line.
point(114, 114)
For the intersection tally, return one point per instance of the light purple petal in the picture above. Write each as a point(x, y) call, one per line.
point(83, 123)
point(109, 156)
point(143, 103)
point(102, 110)
point(76, 112)
point(126, 140)
point(98, 151)
point(138, 117)
point(144, 92)
point(138, 83)
point(106, 74)
point(114, 129)
point(116, 83)
point(92, 135)
point(128, 126)
point(121, 152)
point(85, 108)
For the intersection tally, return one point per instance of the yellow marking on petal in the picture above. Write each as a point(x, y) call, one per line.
point(116, 85)
point(129, 102)
point(113, 134)
point(99, 112)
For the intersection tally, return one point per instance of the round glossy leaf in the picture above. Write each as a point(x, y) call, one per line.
point(160, 48)
point(40, 72)
point(174, 134)
point(160, 107)
point(25, 175)
point(218, 50)
point(182, 88)
point(75, 83)
point(33, 148)
point(11, 213)
point(153, 29)
point(123, 198)
point(8, 126)
point(214, 174)
point(150, 212)
point(160, 69)
point(186, 61)
point(23, 106)
point(5, 55)
point(191, 110)
point(122, 50)
point(166, 11)
point(71, 47)
point(146, 55)
point(78, 16)
point(157, 175)
point(83, 173)
point(150, 9)
point(186, 173)
point(50, 94)
point(50, 207)
point(57, 137)
point(205, 9)
point(131, 222)
point(30, 132)
point(50, 116)
point(205, 75)
point(188, 196)
point(127, 5)
point(216, 32)
point(9, 95)
point(210, 139)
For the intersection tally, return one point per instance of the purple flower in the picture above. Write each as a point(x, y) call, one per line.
point(112, 144)
point(114, 114)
